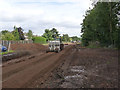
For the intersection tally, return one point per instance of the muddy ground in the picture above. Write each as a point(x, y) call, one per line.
point(21, 50)
point(74, 67)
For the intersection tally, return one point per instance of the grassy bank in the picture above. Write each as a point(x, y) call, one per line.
point(2, 53)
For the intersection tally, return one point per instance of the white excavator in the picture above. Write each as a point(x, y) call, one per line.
point(55, 46)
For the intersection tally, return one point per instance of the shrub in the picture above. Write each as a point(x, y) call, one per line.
point(41, 40)
point(94, 45)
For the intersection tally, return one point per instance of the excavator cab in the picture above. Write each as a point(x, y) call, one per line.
point(55, 46)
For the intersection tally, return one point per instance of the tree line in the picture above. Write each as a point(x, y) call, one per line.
point(14, 35)
point(102, 24)
point(54, 34)
point(48, 35)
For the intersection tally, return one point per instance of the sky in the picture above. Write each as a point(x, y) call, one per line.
point(38, 15)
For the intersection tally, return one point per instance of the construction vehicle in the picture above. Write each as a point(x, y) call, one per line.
point(55, 46)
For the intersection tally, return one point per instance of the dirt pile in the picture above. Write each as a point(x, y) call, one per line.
point(14, 55)
point(23, 50)
point(28, 47)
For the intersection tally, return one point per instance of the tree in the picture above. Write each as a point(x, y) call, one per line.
point(75, 38)
point(30, 34)
point(47, 35)
point(54, 33)
point(8, 36)
point(51, 34)
point(66, 38)
point(3, 32)
point(100, 24)
point(16, 33)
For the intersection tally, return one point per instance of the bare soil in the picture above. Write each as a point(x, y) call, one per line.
point(34, 47)
point(21, 50)
point(86, 68)
point(74, 67)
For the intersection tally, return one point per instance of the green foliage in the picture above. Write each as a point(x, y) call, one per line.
point(30, 34)
point(2, 53)
point(55, 33)
point(51, 34)
point(8, 36)
point(93, 45)
point(16, 34)
point(65, 38)
point(4, 32)
point(75, 38)
point(47, 35)
point(100, 24)
point(41, 40)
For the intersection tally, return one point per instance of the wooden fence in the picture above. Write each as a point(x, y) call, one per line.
point(7, 43)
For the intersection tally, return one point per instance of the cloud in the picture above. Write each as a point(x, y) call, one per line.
point(37, 15)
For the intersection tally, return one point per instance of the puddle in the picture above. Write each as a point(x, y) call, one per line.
point(77, 76)
point(74, 70)
point(74, 81)
point(73, 76)
point(78, 69)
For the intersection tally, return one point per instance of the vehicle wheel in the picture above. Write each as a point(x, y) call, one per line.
point(57, 51)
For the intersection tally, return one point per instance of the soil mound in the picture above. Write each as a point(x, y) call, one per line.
point(28, 47)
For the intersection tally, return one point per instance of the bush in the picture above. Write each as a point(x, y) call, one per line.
point(8, 36)
point(94, 45)
point(41, 40)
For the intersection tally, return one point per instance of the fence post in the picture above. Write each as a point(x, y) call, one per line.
point(9, 46)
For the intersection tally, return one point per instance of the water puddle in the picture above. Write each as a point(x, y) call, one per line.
point(75, 78)
point(78, 69)
point(76, 72)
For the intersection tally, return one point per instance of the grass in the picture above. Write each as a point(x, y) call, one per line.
point(90, 46)
point(66, 42)
point(2, 53)
point(45, 44)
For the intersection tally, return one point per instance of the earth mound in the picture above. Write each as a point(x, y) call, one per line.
point(28, 47)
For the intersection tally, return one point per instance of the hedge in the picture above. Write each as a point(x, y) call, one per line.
point(41, 40)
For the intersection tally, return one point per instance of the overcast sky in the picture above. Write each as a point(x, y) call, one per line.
point(38, 15)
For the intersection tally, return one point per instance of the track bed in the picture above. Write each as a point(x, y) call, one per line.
point(23, 72)
point(74, 67)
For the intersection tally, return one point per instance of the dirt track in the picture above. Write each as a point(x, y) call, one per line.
point(23, 72)
point(73, 67)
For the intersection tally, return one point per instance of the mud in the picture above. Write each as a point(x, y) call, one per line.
point(74, 67)
point(14, 55)
point(24, 72)
point(21, 50)
point(34, 47)
point(86, 68)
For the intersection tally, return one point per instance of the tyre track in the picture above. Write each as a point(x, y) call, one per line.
point(33, 71)
point(39, 78)
point(24, 66)
point(25, 77)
